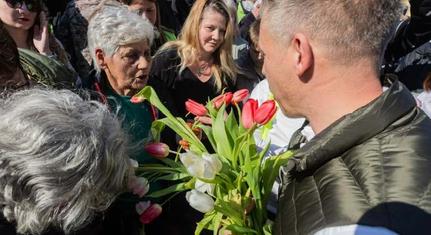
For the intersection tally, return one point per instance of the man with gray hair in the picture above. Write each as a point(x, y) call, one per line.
point(363, 161)
point(63, 160)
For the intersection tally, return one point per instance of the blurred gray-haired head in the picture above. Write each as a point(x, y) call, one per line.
point(62, 159)
point(348, 29)
point(115, 26)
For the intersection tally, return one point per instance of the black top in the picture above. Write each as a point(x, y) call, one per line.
point(175, 88)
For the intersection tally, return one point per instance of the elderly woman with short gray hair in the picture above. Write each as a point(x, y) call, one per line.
point(63, 160)
point(120, 46)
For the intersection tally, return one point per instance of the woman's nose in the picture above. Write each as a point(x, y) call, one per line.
point(23, 7)
point(144, 62)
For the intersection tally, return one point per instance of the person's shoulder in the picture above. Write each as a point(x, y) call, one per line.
point(166, 58)
point(170, 52)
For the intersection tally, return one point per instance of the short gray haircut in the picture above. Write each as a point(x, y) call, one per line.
point(350, 29)
point(115, 26)
point(62, 160)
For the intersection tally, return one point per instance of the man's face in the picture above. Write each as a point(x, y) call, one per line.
point(278, 67)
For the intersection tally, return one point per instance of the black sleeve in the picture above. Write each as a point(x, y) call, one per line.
point(412, 33)
point(163, 74)
point(244, 26)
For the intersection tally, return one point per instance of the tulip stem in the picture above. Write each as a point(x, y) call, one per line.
point(173, 152)
point(172, 196)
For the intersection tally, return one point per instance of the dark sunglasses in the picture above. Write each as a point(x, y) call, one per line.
point(32, 5)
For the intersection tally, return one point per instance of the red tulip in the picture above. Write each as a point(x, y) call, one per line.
point(240, 95)
point(150, 213)
point(223, 98)
point(265, 112)
point(137, 99)
point(248, 112)
point(196, 108)
point(157, 150)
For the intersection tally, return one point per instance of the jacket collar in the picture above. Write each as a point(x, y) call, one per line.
point(355, 128)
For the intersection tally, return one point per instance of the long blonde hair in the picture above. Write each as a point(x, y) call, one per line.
point(187, 45)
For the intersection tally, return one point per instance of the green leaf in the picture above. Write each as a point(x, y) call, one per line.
point(174, 188)
point(270, 170)
point(174, 177)
point(232, 125)
point(176, 124)
point(156, 130)
point(208, 218)
point(240, 229)
point(208, 132)
point(216, 223)
point(172, 163)
point(224, 146)
point(230, 209)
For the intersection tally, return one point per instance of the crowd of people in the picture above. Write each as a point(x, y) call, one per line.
point(352, 80)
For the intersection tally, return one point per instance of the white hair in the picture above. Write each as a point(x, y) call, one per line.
point(62, 159)
point(116, 26)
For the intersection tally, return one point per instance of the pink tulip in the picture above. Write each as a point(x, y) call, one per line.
point(196, 108)
point(248, 112)
point(240, 95)
point(222, 99)
point(265, 112)
point(150, 213)
point(138, 185)
point(157, 150)
point(137, 99)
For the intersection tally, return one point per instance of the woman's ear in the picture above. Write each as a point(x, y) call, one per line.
point(101, 58)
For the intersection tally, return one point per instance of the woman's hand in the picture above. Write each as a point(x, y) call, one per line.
point(41, 35)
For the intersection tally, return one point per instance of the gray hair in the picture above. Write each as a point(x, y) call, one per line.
point(116, 26)
point(62, 159)
point(350, 29)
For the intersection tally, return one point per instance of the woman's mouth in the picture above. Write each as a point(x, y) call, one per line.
point(143, 77)
point(23, 19)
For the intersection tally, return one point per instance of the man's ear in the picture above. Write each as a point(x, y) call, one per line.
point(304, 58)
point(100, 58)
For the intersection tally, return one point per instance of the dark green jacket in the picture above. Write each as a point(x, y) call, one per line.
point(371, 167)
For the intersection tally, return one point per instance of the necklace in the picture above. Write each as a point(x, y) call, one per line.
point(202, 70)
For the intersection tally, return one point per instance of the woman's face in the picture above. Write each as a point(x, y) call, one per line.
point(211, 31)
point(145, 8)
point(16, 17)
point(128, 68)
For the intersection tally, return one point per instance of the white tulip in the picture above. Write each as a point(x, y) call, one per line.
point(204, 187)
point(205, 167)
point(200, 201)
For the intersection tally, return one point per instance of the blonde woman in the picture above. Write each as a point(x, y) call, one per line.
point(199, 64)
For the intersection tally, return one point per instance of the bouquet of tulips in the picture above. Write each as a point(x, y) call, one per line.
point(231, 183)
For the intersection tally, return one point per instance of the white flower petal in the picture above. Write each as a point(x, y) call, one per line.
point(200, 201)
point(204, 187)
point(214, 161)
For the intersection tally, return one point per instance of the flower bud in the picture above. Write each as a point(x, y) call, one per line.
point(138, 185)
point(157, 150)
point(222, 99)
point(184, 144)
point(137, 99)
point(150, 213)
point(248, 112)
point(240, 95)
point(265, 112)
point(205, 167)
point(200, 201)
point(196, 108)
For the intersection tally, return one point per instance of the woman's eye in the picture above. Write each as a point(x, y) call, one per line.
point(147, 54)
